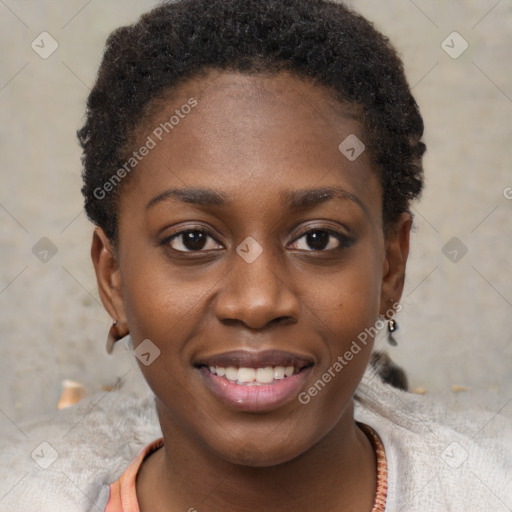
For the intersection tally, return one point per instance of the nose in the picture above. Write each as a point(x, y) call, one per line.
point(257, 293)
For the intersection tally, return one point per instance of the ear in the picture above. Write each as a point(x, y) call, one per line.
point(397, 252)
point(108, 277)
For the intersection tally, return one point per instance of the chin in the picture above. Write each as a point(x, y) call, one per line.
point(273, 446)
point(262, 456)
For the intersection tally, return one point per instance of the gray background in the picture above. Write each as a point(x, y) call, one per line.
point(456, 325)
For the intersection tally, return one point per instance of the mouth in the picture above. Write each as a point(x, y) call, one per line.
point(255, 381)
point(254, 376)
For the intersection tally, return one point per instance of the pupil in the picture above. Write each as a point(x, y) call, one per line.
point(317, 239)
point(194, 240)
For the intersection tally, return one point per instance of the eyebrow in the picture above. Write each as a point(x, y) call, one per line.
point(198, 196)
point(293, 199)
point(311, 197)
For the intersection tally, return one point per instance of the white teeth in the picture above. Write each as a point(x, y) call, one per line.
point(288, 371)
point(231, 373)
point(265, 375)
point(246, 375)
point(279, 372)
point(253, 376)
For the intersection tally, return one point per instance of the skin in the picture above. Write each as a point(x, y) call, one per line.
point(252, 138)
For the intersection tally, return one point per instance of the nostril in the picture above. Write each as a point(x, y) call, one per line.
point(285, 319)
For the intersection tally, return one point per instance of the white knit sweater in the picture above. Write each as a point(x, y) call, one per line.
point(437, 460)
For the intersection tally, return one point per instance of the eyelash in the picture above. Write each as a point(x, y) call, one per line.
point(343, 240)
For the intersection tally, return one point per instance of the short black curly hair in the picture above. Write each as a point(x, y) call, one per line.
point(318, 40)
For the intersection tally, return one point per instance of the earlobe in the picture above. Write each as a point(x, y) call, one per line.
point(397, 252)
point(116, 332)
point(108, 278)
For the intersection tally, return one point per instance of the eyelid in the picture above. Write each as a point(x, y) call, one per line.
point(344, 240)
point(202, 229)
point(339, 230)
point(319, 226)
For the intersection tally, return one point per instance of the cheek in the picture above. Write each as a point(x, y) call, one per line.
point(165, 308)
point(347, 300)
point(160, 302)
point(346, 311)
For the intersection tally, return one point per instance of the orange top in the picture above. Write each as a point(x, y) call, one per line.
point(123, 495)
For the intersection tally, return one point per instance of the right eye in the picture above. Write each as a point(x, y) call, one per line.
point(191, 240)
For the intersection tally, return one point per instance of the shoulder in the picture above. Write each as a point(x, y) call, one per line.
point(66, 461)
point(439, 458)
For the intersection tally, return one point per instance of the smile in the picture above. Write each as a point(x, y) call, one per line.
point(255, 381)
point(254, 376)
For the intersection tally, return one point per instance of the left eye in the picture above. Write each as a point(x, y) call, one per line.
point(321, 240)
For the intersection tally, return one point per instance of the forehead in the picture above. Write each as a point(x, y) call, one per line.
point(268, 132)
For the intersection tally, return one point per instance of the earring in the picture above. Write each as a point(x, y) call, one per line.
point(392, 327)
point(112, 337)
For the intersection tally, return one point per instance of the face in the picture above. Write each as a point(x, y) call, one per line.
point(251, 254)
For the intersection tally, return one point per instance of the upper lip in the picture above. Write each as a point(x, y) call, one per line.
point(256, 359)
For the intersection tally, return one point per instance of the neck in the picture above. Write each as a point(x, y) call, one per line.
point(339, 472)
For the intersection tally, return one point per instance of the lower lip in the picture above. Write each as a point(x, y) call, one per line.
point(255, 398)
